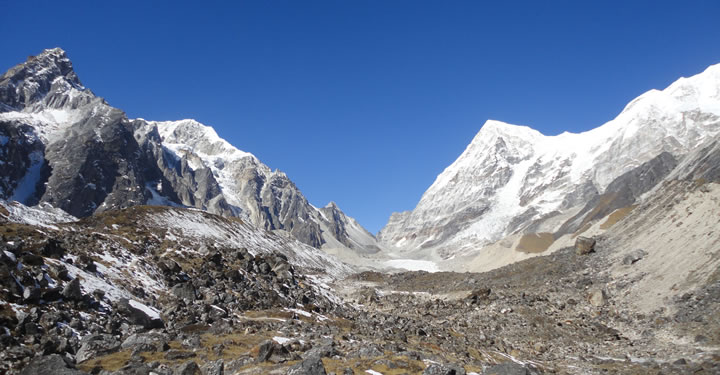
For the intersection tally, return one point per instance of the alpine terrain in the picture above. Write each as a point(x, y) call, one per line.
point(130, 246)
point(69, 148)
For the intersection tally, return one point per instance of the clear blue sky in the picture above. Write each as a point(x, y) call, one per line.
point(366, 102)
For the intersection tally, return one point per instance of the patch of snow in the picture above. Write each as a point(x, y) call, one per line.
point(412, 265)
point(373, 372)
point(42, 215)
point(153, 313)
point(300, 312)
point(26, 186)
point(10, 255)
point(281, 340)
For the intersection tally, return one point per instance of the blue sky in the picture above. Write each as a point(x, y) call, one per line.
point(366, 102)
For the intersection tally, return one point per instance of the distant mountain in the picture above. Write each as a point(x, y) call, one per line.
point(61, 144)
point(512, 179)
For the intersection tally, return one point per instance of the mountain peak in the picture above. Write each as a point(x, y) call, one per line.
point(28, 83)
point(500, 127)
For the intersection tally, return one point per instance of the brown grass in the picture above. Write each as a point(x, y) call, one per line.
point(535, 242)
point(110, 362)
point(581, 230)
point(616, 216)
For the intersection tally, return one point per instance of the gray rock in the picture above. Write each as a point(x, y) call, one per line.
point(367, 351)
point(633, 257)
point(265, 350)
point(213, 367)
point(72, 290)
point(144, 342)
point(438, 369)
point(137, 316)
point(31, 294)
point(597, 297)
point(95, 345)
point(310, 366)
point(52, 364)
point(188, 368)
point(507, 368)
point(185, 291)
point(584, 245)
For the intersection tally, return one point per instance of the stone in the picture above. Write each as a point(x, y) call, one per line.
point(178, 354)
point(52, 294)
point(265, 350)
point(52, 364)
point(438, 369)
point(478, 295)
point(188, 368)
point(31, 294)
point(53, 248)
point(310, 366)
point(597, 297)
point(633, 257)
point(72, 290)
point(184, 291)
point(584, 245)
point(148, 341)
point(31, 259)
point(367, 351)
point(95, 345)
point(213, 367)
point(137, 316)
point(507, 368)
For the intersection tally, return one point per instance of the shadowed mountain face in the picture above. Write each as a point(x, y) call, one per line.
point(65, 146)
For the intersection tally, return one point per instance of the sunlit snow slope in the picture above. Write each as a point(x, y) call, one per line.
point(510, 176)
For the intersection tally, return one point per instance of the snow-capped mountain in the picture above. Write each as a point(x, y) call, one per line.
point(511, 178)
point(62, 145)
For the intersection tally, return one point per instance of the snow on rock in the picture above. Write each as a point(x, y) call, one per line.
point(221, 232)
point(43, 215)
point(152, 313)
point(281, 340)
point(511, 175)
point(412, 265)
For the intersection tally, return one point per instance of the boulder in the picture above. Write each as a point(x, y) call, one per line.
point(184, 290)
point(188, 368)
point(213, 367)
point(31, 259)
point(52, 364)
point(597, 297)
point(265, 350)
point(31, 294)
point(438, 369)
point(310, 366)
point(584, 245)
point(479, 295)
point(146, 342)
point(72, 291)
point(507, 368)
point(633, 257)
point(138, 314)
point(53, 248)
point(95, 345)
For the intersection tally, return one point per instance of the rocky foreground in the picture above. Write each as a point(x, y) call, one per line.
point(225, 310)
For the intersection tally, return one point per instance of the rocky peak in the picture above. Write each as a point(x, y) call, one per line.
point(30, 82)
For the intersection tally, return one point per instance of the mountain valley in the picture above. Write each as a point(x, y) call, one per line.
point(133, 246)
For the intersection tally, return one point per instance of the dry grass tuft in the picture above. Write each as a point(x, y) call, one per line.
point(616, 216)
point(535, 242)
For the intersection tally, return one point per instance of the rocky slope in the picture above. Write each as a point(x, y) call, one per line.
point(512, 178)
point(174, 291)
point(62, 145)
